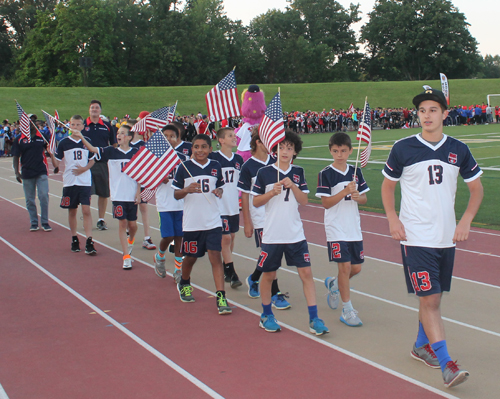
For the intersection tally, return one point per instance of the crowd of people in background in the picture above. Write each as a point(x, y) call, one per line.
point(298, 121)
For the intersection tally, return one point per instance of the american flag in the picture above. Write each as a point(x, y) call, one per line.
point(51, 124)
point(56, 114)
point(153, 162)
point(365, 134)
point(156, 119)
point(24, 123)
point(222, 100)
point(272, 128)
point(351, 108)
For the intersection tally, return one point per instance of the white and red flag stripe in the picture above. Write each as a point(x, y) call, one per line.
point(222, 100)
point(24, 123)
point(365, 134)
point(51, 124)
point(153, 162)
point(155, 120)
point(272, 127)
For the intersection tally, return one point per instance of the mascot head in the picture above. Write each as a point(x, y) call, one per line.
point(253, 104)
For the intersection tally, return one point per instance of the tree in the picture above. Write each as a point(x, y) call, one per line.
point(5, 51)
point(490, 67)
point(418, 39)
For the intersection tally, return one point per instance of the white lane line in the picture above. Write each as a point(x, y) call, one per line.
point(205, 388)
point(494, 333)
point(3, 394)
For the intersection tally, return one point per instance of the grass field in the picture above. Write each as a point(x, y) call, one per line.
point(484, 142)
point(118, 101)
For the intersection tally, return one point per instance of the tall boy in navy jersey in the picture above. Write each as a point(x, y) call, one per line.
point(427, 166)
point(230, 213)
point(283, 231)
point(341, 192)
point(184, 147)
point(201, 223)
point(77, 181)
point(253, 218)
point(125, 192)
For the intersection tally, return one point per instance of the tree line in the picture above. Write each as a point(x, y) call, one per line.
point(193, 42)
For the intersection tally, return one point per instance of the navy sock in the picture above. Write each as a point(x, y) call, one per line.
point(441, 351)
point(313, 312)
point(267, 310)
point(184, 282)
point(256, 275)
point(421, 336)
point(274, 288)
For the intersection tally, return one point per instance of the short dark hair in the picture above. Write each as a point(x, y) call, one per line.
point(221, 133)
point(96, 102)
point(292, 138)
point(77, 117)
point(128, 129)
point(180, 127)
point(203, 137)
point(171, 127)
point(339, 139)
point(255, 137)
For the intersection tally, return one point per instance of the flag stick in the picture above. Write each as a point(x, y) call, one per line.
point(33, 123)
point(278, 149)
point(359, 143)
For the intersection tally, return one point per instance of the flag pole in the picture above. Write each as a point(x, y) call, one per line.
point(35, 126)
point(278, 146)
point(359, 143)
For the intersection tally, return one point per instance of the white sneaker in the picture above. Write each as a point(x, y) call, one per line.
point(127, 264)
point(350, 318)
point(148, 244)
point(333, 296)
point(160, 266)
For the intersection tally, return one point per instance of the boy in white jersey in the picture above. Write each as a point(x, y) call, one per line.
point(283, 231)
point(230, 213)
point(125, 192)
point(253, 218)
point(170, 212)
point(77, 182)
point(427, 166)
point(341, 192)
point(200, 184)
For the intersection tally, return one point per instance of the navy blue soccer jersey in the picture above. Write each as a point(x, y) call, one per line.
point(231, 167)
point(101, 133)
point(32, 156)
point(138, 144)
point(184, 148)
point(428, 177)
point(199, 213)
point(75, 155)
point(282, 223)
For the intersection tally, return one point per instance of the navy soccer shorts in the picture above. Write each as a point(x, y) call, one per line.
point(125, 210)
point(258, 237)
point(74, 195)
point(230, 224)
point(346, 251)
point(197, 243)
point(296, 254)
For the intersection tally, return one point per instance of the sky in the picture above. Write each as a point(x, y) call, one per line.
point(482, 15)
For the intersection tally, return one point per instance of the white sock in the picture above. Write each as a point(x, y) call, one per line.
point(347, 306)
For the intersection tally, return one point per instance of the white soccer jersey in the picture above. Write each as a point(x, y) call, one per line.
point(199, 214)
point(121, 186)
point(228, 204)
point(165, 201)
point(428, 177)
point(246, 182)
point(75, 155)
point(245, 135)
point(282, 223)
point(342, 222)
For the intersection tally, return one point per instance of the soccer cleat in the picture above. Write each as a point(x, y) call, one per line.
point(148, 244)
point(159, 266)
point(46, 227)
point(177, 276)
point(253, 287)
point(350, 318)
point(333, 296)
point(425, 354)
point(279, 301)
point(127, 264)
point(34, 227)
point(89, 247)
point(453, 375)
point(269, 323)
point(222, 305)
point(101, 225)
point(317, 326)
point(235, 281)
point(75, 246)
point(185, 291)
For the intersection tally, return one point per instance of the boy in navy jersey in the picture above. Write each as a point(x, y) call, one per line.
point(427, 166)
point(230, 214)
point(341, 192)
point(77, 182)
point(125, 192)
point(184, 147)
point(283, 231)
point(170, 211)
point(253, 218)
point(200, 183)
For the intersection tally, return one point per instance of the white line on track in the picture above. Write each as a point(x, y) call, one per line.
point(3, 394)
point(205, 388)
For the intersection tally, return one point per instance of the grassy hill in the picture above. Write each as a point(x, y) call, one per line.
point(118, 101)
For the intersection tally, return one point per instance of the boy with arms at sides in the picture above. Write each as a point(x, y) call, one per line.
point(229, 207)
point(77, 182)
point(201, 222)
point(283, 231)
point(253, 218)
point(170, 212)
point(125, 192)
point(427, 166)
point(341, 192)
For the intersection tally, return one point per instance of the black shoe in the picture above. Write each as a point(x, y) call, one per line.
point(34, 227)
point(89, 247)
point(75, 246)
point(227, 273)
point(171, 248)
point(235, 281)
point(101, 225)
point(46, 227)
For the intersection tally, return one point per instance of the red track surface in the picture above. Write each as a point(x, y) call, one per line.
point(51, 346)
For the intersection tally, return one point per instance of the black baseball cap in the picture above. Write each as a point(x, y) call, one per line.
point(433, 95)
